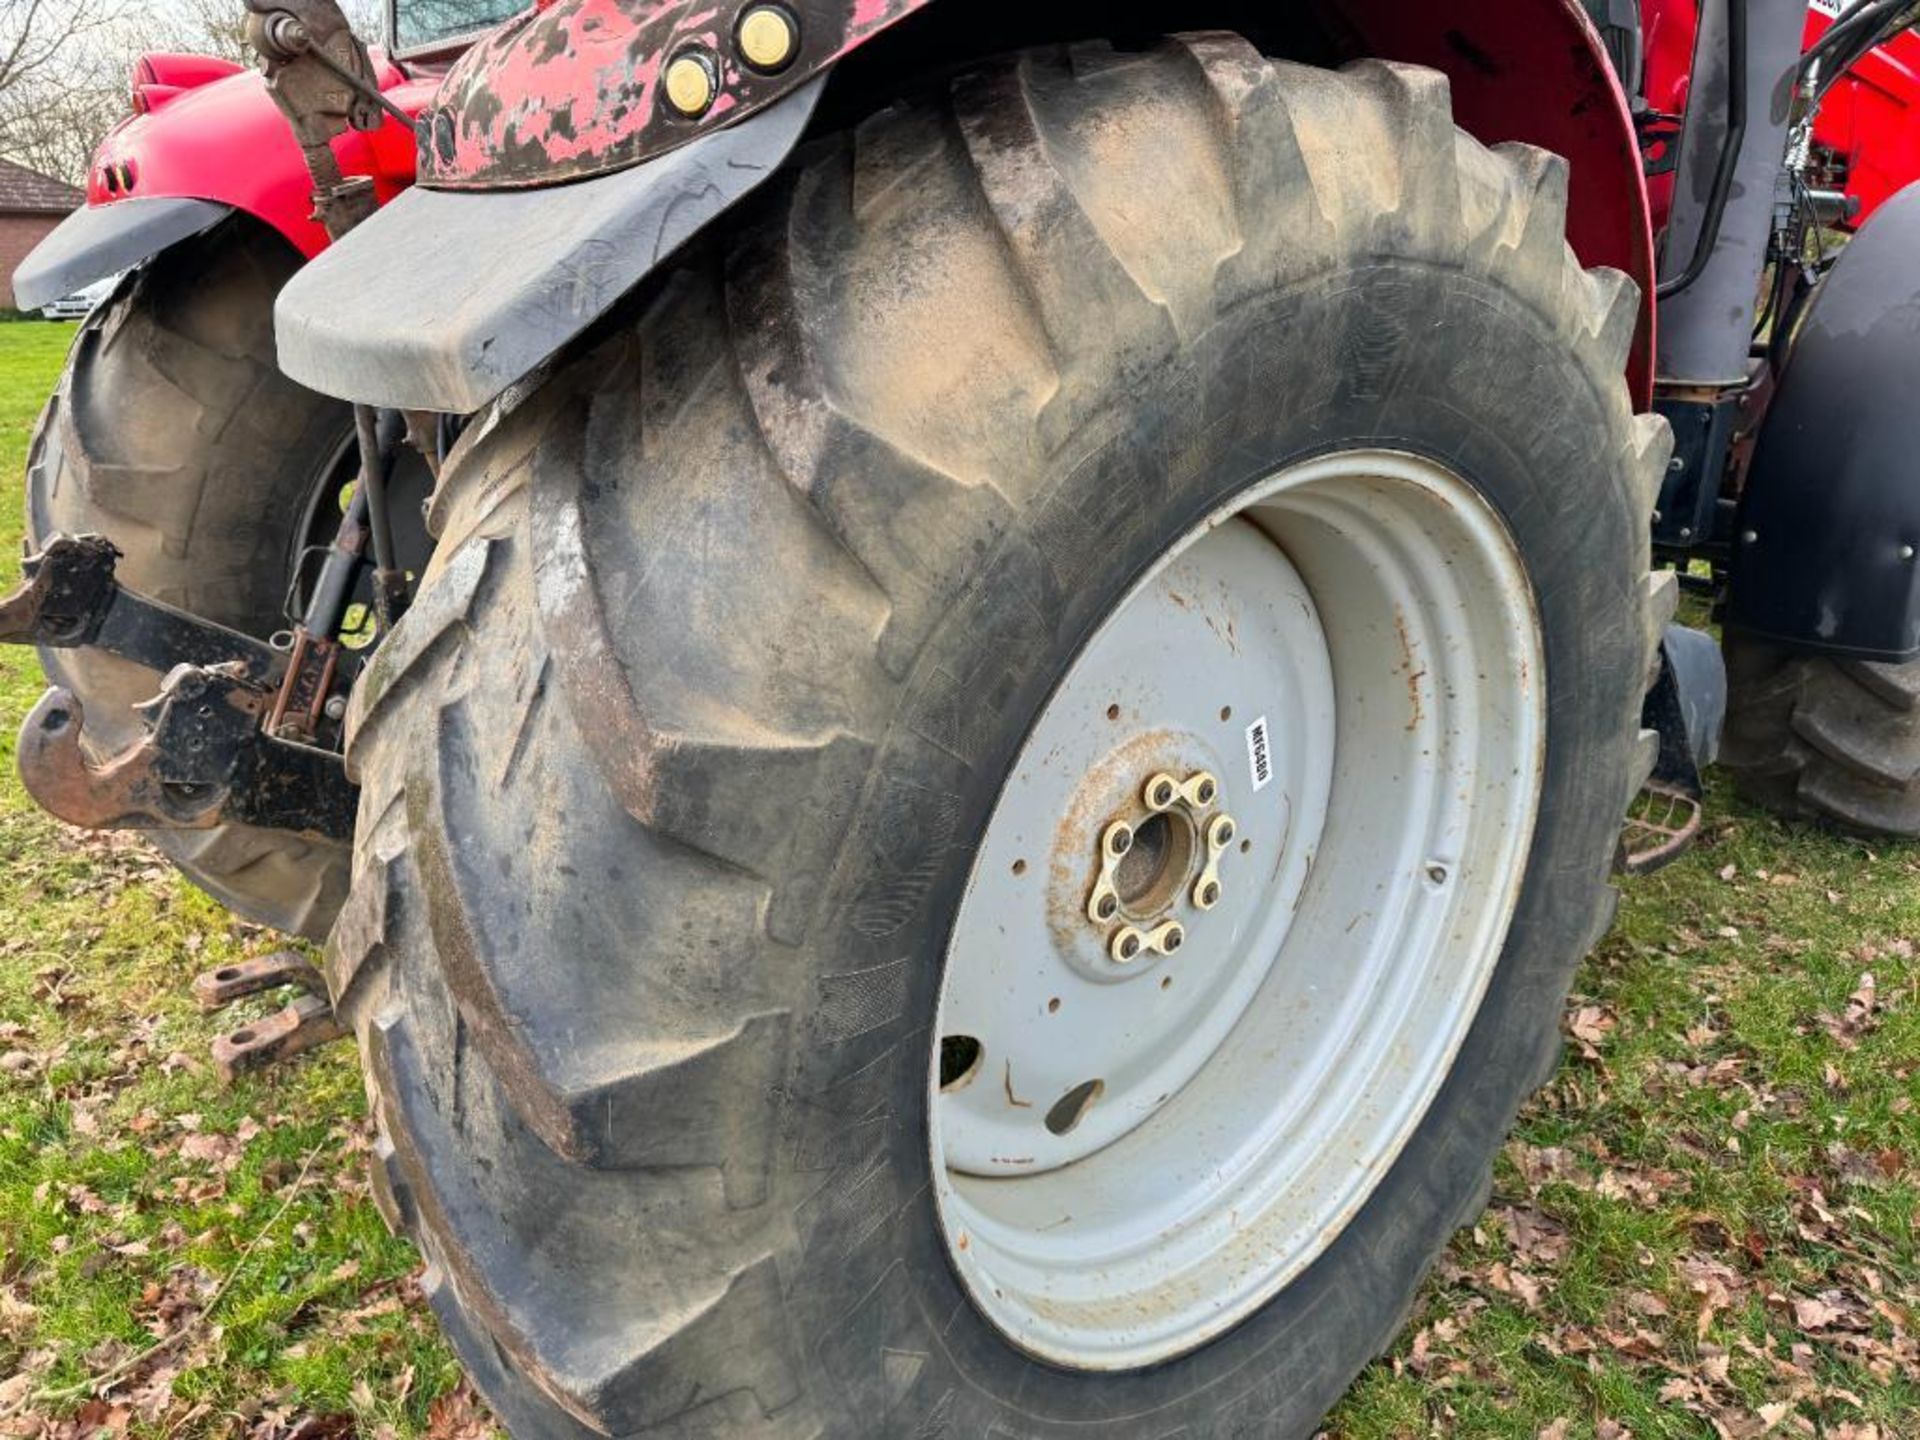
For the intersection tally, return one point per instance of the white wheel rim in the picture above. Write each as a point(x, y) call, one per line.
point(1251, 1089)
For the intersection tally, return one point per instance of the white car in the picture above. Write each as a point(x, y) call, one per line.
point(82, 303)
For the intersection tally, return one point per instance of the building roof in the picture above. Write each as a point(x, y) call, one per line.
point(24, 191)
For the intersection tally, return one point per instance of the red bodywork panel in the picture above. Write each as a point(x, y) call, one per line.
point(215, 134)
point(1535, 71)
point(1870, 121)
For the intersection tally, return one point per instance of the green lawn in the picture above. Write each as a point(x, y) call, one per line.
point(1706, 1226)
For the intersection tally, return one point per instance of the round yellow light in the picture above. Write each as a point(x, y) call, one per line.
point(768, 37)
point(691, 86)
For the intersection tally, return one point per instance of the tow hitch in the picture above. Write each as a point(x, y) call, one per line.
point(208, 756)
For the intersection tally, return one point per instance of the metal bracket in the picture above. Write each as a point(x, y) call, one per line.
point(1664, 819)
point(306, 1024)
point(204, 762)
point(71, 599)
point(217, 989)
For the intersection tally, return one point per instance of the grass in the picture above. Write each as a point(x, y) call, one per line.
point(1705, 1226)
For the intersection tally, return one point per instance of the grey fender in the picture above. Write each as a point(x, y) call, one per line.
point(103, 240)
point(1826, 551)
point(445, 298)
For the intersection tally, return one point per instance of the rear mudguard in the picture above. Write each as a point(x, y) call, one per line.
point(444, 299)
point(1826, 555)
point(448, 297)
point(93, 243)
point(215, 144)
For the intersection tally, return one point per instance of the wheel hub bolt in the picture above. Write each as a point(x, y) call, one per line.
point(1127, 944)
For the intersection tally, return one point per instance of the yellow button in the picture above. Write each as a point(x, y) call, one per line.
point(690, 84)
point(768, 37)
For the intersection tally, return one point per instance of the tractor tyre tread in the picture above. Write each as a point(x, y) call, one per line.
point(1816, 738)
point(594, 843)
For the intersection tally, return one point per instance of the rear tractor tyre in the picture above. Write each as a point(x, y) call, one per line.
point(985, 814)
point(174, 434)
point(1813, 737)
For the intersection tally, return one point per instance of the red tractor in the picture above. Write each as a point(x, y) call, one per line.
point(981, 662)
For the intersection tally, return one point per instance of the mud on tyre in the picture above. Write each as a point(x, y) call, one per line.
point(675, 776)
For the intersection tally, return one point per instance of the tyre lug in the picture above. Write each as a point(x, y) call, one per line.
point(1126, 945)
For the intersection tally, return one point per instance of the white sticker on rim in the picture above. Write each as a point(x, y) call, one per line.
point(1259, 754)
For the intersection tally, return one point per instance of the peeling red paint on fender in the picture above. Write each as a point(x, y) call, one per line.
point(573, 89)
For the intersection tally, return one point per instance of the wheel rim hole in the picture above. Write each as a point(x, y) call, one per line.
point(1071, 1108)
point(960, 1060)
point(1152, 870)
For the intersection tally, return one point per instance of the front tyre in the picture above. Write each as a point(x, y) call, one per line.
point(1824, 738)
point(770, 1031)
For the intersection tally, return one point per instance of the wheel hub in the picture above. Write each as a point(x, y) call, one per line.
point(1164, 850)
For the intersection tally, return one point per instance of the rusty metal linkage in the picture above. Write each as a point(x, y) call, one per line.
point(322, 78)
point(204, 762)
point(71, 599)
point(216, 989)
point(305, 1024)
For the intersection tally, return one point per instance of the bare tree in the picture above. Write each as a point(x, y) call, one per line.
point(65, 66)
point(44, 46)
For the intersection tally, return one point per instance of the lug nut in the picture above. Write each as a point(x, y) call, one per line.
point(1223, 831)
point(1161, 791)
point(1207, 894)
point(1126, 944)
point(1171, 939)
point(1107, 906)
point(1206, 792)
point(1120, 839)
